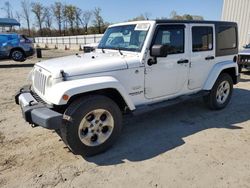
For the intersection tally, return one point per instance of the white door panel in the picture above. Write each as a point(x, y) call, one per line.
point(167, 77)
point(201, 66)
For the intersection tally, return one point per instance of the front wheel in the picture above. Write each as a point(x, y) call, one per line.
point(95, 124)
point(221, 93)
point(17, 55)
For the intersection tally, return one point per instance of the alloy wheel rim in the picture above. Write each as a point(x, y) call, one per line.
point(223, 92)
point(17, 55)
point(96, 127)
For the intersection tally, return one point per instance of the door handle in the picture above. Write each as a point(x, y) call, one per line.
point(209, 58)
point(183, 61)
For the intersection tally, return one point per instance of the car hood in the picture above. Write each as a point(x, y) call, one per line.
point(88, 63)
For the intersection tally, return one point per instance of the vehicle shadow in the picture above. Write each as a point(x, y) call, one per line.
point(242, 79)
point(152, 134)
point(16, 65)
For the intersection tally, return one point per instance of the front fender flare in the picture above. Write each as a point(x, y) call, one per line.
point(74, 87)
point(215, 72)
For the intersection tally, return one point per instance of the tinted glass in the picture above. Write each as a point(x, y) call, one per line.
point(202, 38)
point(227, 38)
point(173, 37)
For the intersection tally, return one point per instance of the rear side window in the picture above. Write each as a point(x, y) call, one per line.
point(202, 38)
point(173, 37)
point(227, 38)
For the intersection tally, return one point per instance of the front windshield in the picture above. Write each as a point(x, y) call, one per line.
point(127, 38)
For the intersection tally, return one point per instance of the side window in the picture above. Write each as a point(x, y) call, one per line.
point(202, 38)
point(227, 38)
point(173, 37)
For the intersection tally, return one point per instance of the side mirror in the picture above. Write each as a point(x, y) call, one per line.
point(159, 51)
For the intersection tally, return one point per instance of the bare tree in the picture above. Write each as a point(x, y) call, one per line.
point(38, 10)
point(8, 9)
point(147, 15)
point(175, 16)
point(48, 18)
point(25, 4)
point(18, 17)
point(86, 17)
point(98, 20)
point(78, 20)
point(138, 18)
point(58, 14)
point(70, 14)
point(65, 19)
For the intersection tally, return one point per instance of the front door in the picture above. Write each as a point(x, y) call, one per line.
point(170, 75)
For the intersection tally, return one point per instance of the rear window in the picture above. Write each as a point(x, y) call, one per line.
point(227, 38)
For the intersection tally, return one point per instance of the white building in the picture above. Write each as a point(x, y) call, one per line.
point(238, 11)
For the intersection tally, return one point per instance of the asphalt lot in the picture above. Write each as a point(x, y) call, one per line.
point(185, 145)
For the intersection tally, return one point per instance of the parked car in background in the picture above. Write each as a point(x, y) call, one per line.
point(87, 48)
point(15, 46)
point(244, 58)
point(247, 46)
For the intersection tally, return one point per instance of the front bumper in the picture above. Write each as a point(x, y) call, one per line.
point(29, 53)
point(37, 113)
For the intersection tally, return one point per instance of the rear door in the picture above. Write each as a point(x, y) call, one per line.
point(202, 54)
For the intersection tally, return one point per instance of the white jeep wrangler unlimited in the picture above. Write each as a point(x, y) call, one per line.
point(138, 66)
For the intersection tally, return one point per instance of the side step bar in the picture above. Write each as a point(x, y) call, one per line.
point(151, 107)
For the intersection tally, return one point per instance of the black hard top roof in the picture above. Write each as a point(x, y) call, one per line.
point(196, 21)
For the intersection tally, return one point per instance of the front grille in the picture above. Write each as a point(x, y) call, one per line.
point(38, 99)
point(40, 81)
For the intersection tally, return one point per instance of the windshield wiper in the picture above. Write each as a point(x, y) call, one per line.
point(103, 51)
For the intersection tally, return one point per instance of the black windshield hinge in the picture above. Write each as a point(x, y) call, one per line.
point(63, 75)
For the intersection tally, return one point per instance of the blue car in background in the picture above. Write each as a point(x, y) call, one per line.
point(15, 46)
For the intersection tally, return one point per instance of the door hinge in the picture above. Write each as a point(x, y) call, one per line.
point(189, 82)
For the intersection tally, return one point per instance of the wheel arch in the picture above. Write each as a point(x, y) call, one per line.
point(107, 86)
point(111, 93)
point(228, 67)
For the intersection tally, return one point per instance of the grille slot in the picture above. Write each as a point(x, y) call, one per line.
point(38, 99)
point(40, 81)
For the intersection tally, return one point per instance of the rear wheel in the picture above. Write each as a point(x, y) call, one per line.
point(95, 125)
point(17, 55)
point(221, 93)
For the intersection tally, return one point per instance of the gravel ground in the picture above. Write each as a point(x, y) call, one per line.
point(185, 145)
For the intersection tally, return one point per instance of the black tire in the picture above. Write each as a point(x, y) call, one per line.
point(211, 98)
point(77, 111)
point(17, 55)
